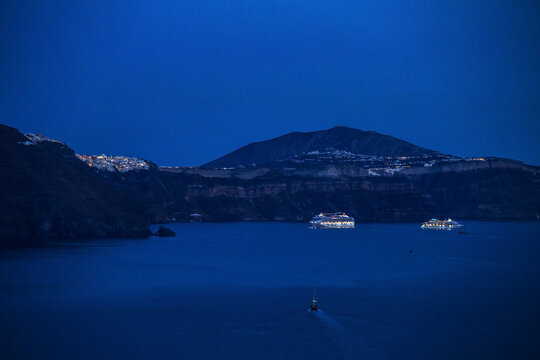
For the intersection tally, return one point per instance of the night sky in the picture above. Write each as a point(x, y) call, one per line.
point(184, 82)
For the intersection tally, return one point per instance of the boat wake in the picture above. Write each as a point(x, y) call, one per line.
point(350, 345)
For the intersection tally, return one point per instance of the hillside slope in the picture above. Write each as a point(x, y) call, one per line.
point(339, 138)
point(47, 193)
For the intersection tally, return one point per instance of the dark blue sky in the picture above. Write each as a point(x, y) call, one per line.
point(184, 82)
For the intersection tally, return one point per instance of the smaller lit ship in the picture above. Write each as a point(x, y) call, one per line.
point(332, 220)
point(441, 224)
point(314, 306)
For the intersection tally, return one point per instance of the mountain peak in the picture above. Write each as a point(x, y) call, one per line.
point(336, 139)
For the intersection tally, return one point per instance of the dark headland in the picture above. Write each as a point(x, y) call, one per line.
point(48, 192)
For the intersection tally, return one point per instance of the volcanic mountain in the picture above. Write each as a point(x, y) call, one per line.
point(337, 139)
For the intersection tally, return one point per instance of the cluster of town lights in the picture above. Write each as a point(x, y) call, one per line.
point(114, 163)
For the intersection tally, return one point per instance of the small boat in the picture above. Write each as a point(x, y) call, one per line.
point(314, 306)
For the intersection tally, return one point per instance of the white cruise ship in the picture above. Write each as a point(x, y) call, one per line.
point(332, 220)
point(441, 224)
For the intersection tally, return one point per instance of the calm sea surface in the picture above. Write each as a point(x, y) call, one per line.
point(242, 291)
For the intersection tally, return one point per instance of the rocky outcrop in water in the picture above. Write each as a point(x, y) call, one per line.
point(164, 232)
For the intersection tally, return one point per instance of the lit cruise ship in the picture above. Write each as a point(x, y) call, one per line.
point(332, 220)
point(441, 224)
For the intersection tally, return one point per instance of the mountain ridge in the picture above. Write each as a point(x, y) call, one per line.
point(339, 138)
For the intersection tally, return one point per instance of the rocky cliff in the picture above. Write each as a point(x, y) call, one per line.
point(47, 193)
point(490, 189)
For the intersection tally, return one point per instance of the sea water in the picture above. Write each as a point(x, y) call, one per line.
point(243, 290)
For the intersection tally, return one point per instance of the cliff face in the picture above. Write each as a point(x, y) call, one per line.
point(370, 176)
point(491, 189)
point(47, 193)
